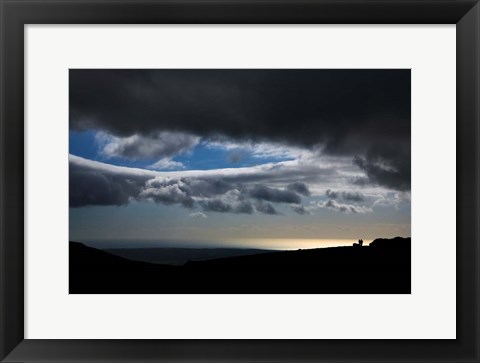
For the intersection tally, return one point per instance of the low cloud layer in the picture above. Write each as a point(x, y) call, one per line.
point(261, 189)
point(266, 208)
point(345, 195)
point(300, 209)
point(198, 215)
point(262, 192)
point(95, 183)
point(344, 201)
point(217, 195)
point(344, 207)
point(300, 188)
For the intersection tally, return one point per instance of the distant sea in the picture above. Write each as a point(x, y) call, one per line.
point(258, 243)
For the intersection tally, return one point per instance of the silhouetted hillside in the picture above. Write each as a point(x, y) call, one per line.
point(179, 256)
point(82, 256)
point(382, 267)
point(397, 242)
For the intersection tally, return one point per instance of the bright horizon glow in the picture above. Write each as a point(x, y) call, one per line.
point(297, 243)
point(242, 243)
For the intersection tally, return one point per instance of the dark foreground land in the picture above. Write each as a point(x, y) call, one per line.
point(381, 268)
point(179, 256)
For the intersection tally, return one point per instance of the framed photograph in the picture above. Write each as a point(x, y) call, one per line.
point(239, 181)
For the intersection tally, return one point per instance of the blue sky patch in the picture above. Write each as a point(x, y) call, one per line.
point(202, 157)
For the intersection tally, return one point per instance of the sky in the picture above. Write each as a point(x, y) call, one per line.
point(280, 158)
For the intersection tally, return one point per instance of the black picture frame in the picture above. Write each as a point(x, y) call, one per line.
point(16, 13)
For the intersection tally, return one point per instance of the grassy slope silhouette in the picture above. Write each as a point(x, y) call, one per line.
point(383, 267)
point(178, 256)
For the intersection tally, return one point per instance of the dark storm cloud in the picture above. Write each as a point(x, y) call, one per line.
point(345, 195)
point(220, 206)
point(358, 113)
point(266, 208)
point(299, 106)
point(262, 192)
point(331, 194)
point(300, 188)
point(352, 196)
point(205, 187)
point(387, 167)
point(244, 207)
